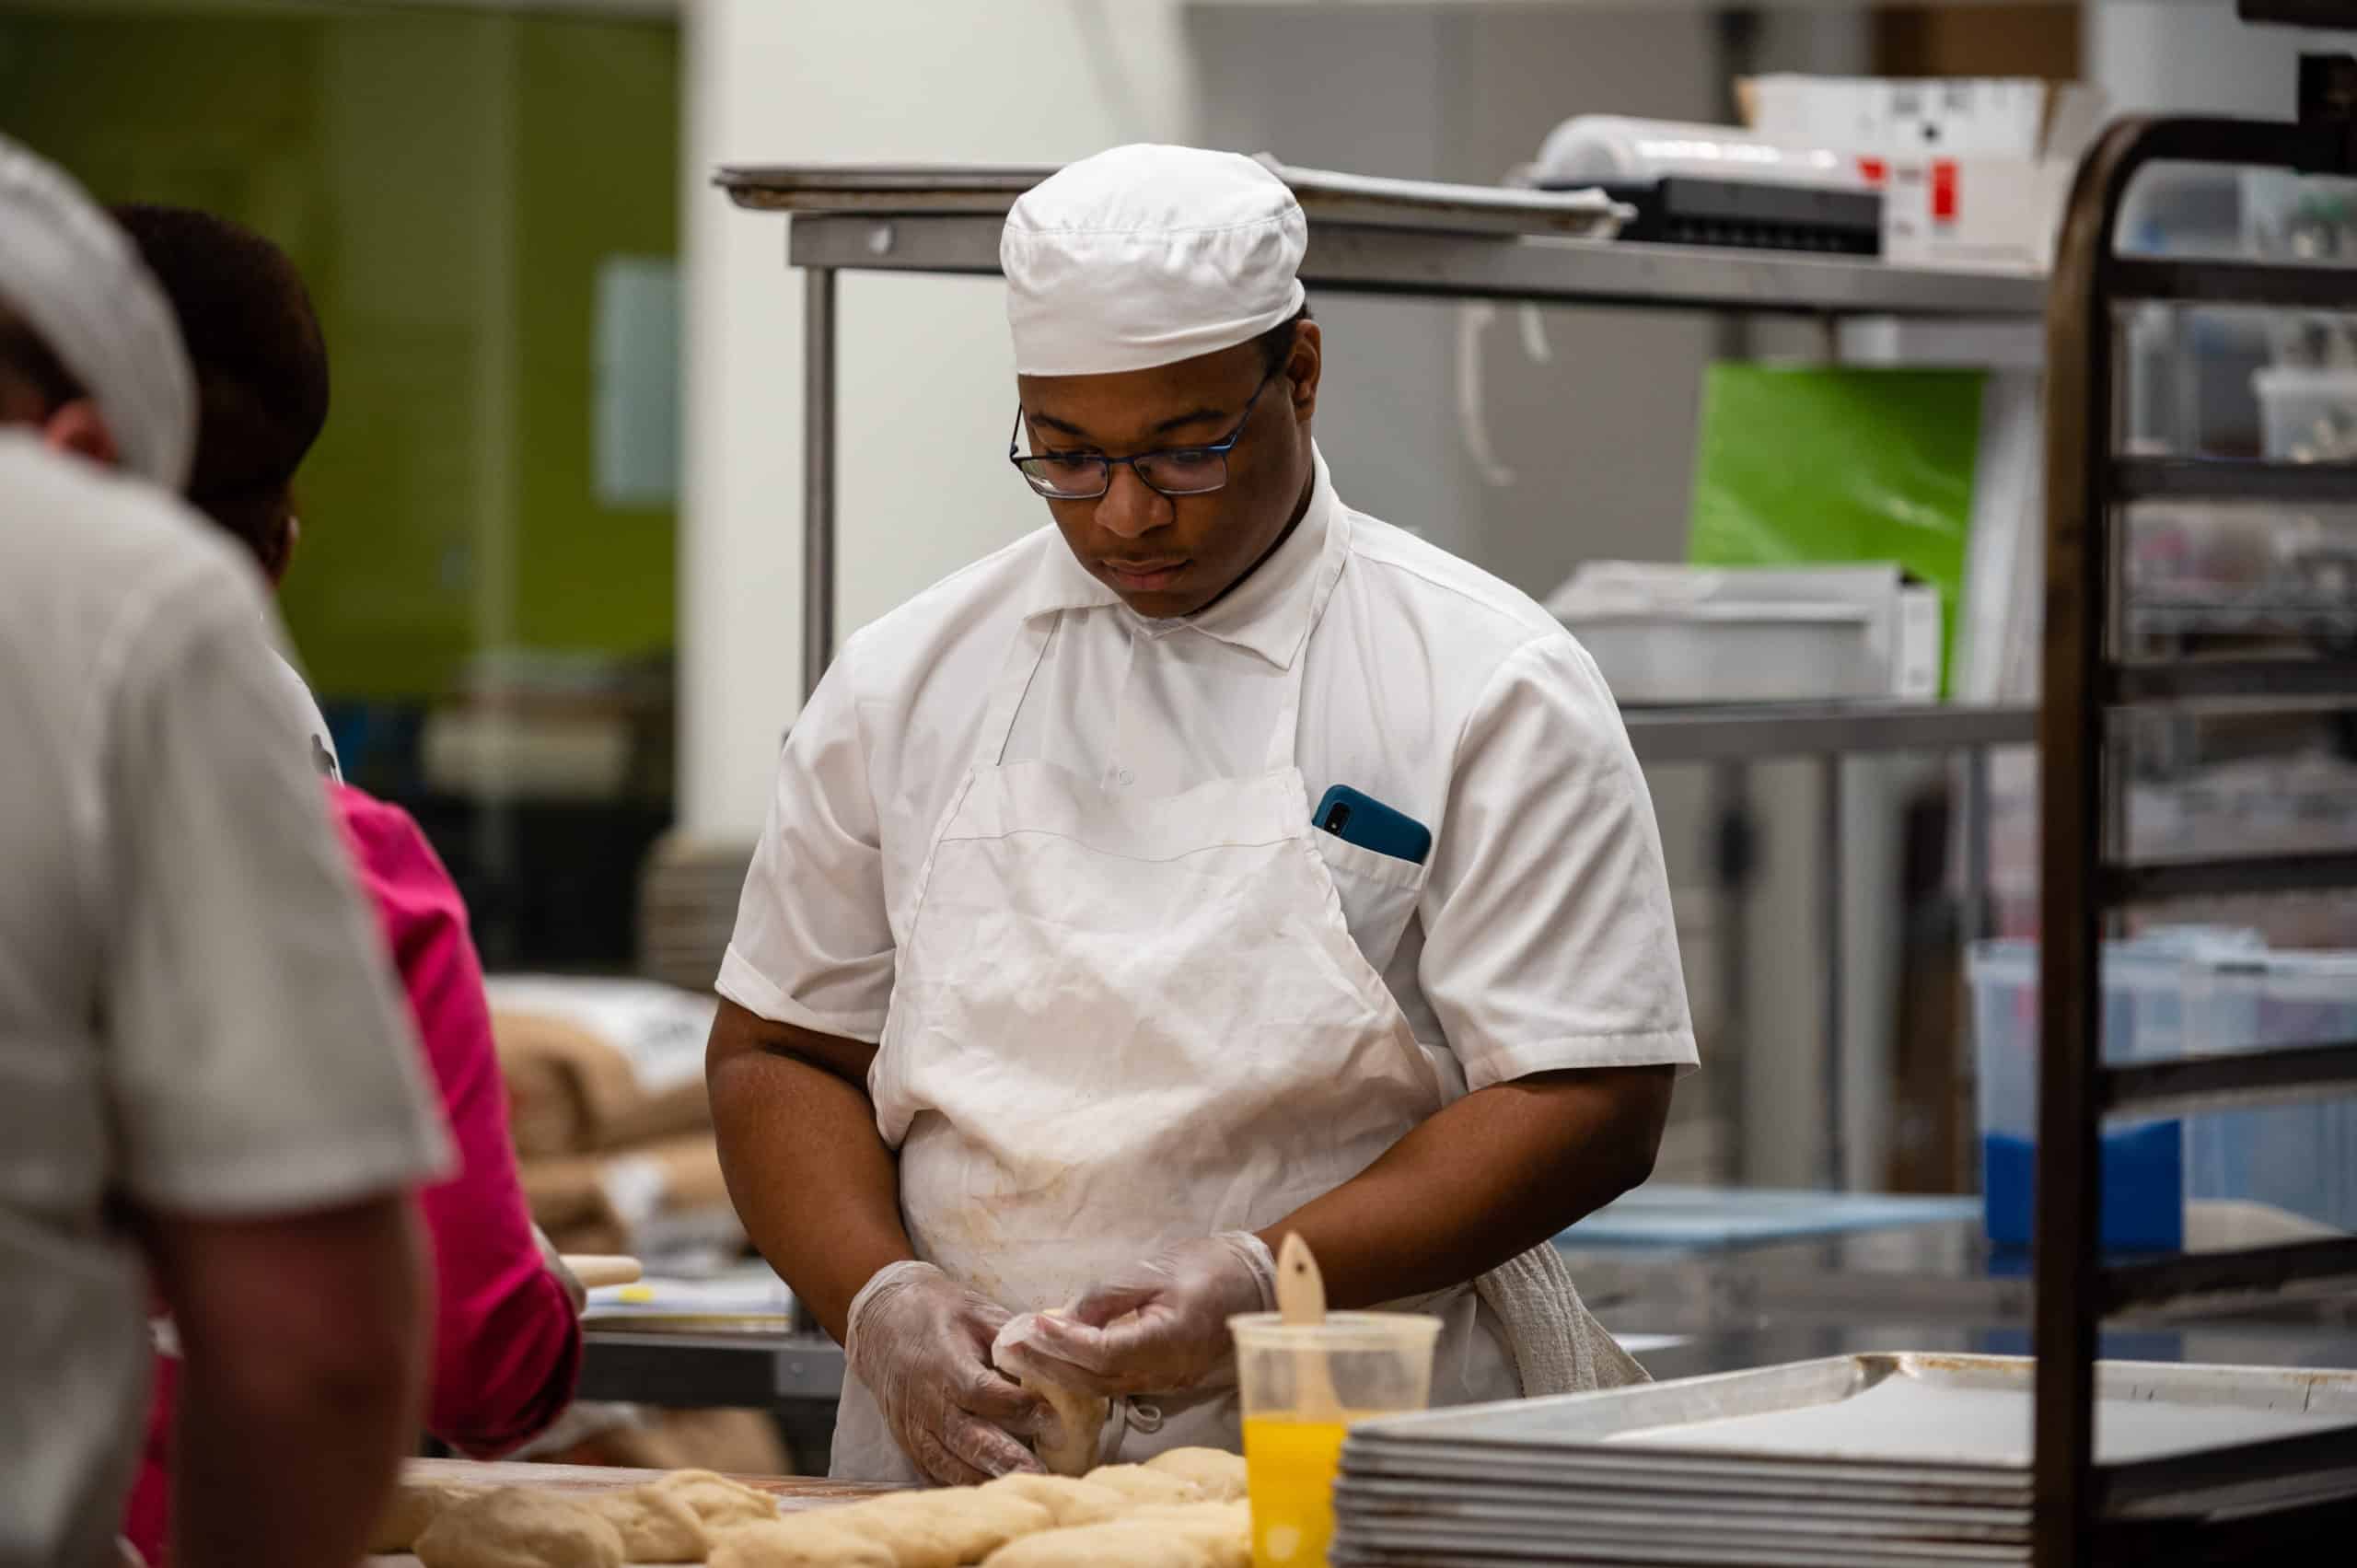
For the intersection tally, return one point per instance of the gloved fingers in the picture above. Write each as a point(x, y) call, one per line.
point(985, 1447)
point(939, 1463)
point(987, 1317)
point(1004, 1403)
point(1062, 1351)
point(1107, 1299)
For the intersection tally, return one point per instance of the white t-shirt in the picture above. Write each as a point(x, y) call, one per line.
point(1542, 937)
point(196, 1011)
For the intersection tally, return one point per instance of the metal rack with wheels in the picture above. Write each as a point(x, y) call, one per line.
point(2088, 1513)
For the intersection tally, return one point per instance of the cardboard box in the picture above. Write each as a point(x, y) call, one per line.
point(1974, 172)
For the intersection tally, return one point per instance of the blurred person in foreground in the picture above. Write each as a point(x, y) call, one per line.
point(205, 1080)
point(507, 1325)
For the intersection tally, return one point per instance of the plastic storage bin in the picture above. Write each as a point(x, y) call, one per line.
point(2308, 415)
point(2300, 1159)
point(2143, 1162)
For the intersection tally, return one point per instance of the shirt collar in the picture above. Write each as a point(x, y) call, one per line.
point(1268, 613)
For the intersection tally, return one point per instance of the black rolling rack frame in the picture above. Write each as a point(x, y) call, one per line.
point(2083, 1512)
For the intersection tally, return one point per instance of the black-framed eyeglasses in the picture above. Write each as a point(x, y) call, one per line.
point(1175, 471)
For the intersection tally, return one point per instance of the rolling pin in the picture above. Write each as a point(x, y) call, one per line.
point(595, 1269)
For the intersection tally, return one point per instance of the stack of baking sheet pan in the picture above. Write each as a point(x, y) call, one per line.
point(1855, 1461)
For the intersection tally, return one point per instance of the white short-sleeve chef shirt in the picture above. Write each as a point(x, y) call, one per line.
point(1542, 937)
point(197, 1012)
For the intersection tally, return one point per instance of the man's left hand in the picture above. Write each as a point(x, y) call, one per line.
point(1156, 1327)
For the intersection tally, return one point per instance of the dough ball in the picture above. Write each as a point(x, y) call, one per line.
point(718, 1501)
point(1096, 1546)
point(803, 1540)
point(1069, 1501)
point(944, 1528)
point(414, 1506)
point(1140, 1484)
point(1080, 1415)
point(1217, 1471)
point(656, 1526)
point(1080, 1419)
point(519, 1527)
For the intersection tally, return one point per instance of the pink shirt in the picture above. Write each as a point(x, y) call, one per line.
point(506, 1344)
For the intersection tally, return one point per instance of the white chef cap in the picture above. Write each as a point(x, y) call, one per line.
point(75, 279)
point(1149, 255)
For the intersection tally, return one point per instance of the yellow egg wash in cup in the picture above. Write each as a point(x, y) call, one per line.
point(1301, 1387)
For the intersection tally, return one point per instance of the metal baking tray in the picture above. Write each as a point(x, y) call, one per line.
point(1958, 1416)
point(1579, 1543)
point(1613, 1537)
point(1439, 1501)
point(1326, 196)
point(1348, 1551)
point(1767, 1478)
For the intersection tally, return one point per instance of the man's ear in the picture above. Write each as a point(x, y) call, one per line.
point(1302, 369)
point(78, 427)
point(282, 555)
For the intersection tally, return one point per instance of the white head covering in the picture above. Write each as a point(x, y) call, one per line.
point(1149, 255)
point(75, 279)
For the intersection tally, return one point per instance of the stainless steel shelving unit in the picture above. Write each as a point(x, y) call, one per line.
point(947, 221)
point(2091, 677)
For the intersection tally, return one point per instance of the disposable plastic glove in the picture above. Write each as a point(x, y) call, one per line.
point(920, 1341)
point(1156, 1327)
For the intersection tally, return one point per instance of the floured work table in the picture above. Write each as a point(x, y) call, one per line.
point(794, 1493)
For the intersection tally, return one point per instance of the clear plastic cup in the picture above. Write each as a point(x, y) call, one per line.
point(1302, 1387)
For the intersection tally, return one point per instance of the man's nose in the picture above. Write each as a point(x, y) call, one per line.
point(1131, 506)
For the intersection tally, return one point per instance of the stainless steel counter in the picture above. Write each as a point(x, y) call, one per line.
point(1936, 1286)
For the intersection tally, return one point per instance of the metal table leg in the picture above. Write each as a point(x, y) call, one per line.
point(1734, 859)
point(1975, 805)
point(818, 476)
point(1829, 923)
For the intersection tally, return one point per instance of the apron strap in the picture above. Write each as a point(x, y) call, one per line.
point(1015, 672)
point(1286, 739)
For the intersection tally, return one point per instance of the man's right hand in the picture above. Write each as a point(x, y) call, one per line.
point(920, 1342)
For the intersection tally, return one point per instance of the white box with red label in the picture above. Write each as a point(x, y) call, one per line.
point(1974, 171)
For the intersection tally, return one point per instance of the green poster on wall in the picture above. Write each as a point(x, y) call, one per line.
point(1798, 464)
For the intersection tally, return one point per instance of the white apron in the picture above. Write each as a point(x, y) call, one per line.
point(1121, 1023)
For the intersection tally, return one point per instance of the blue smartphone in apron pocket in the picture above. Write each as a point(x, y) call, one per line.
point(1376, 856)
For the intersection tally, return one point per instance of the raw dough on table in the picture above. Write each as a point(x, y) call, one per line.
point(1095, 1546)
point(1194, 1535)
point(414, 1506)
point(940, 1529)
point(803, 1540)
point(718, 1501)
point(1080, 1415)
point(655, 1524)
point(1068, 1499)
point(519, 1527)
point(1223, 1529)
point(1143, 1485)
point(1220, 1473)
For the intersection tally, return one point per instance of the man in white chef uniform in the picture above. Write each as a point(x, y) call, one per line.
point(1046, 991)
